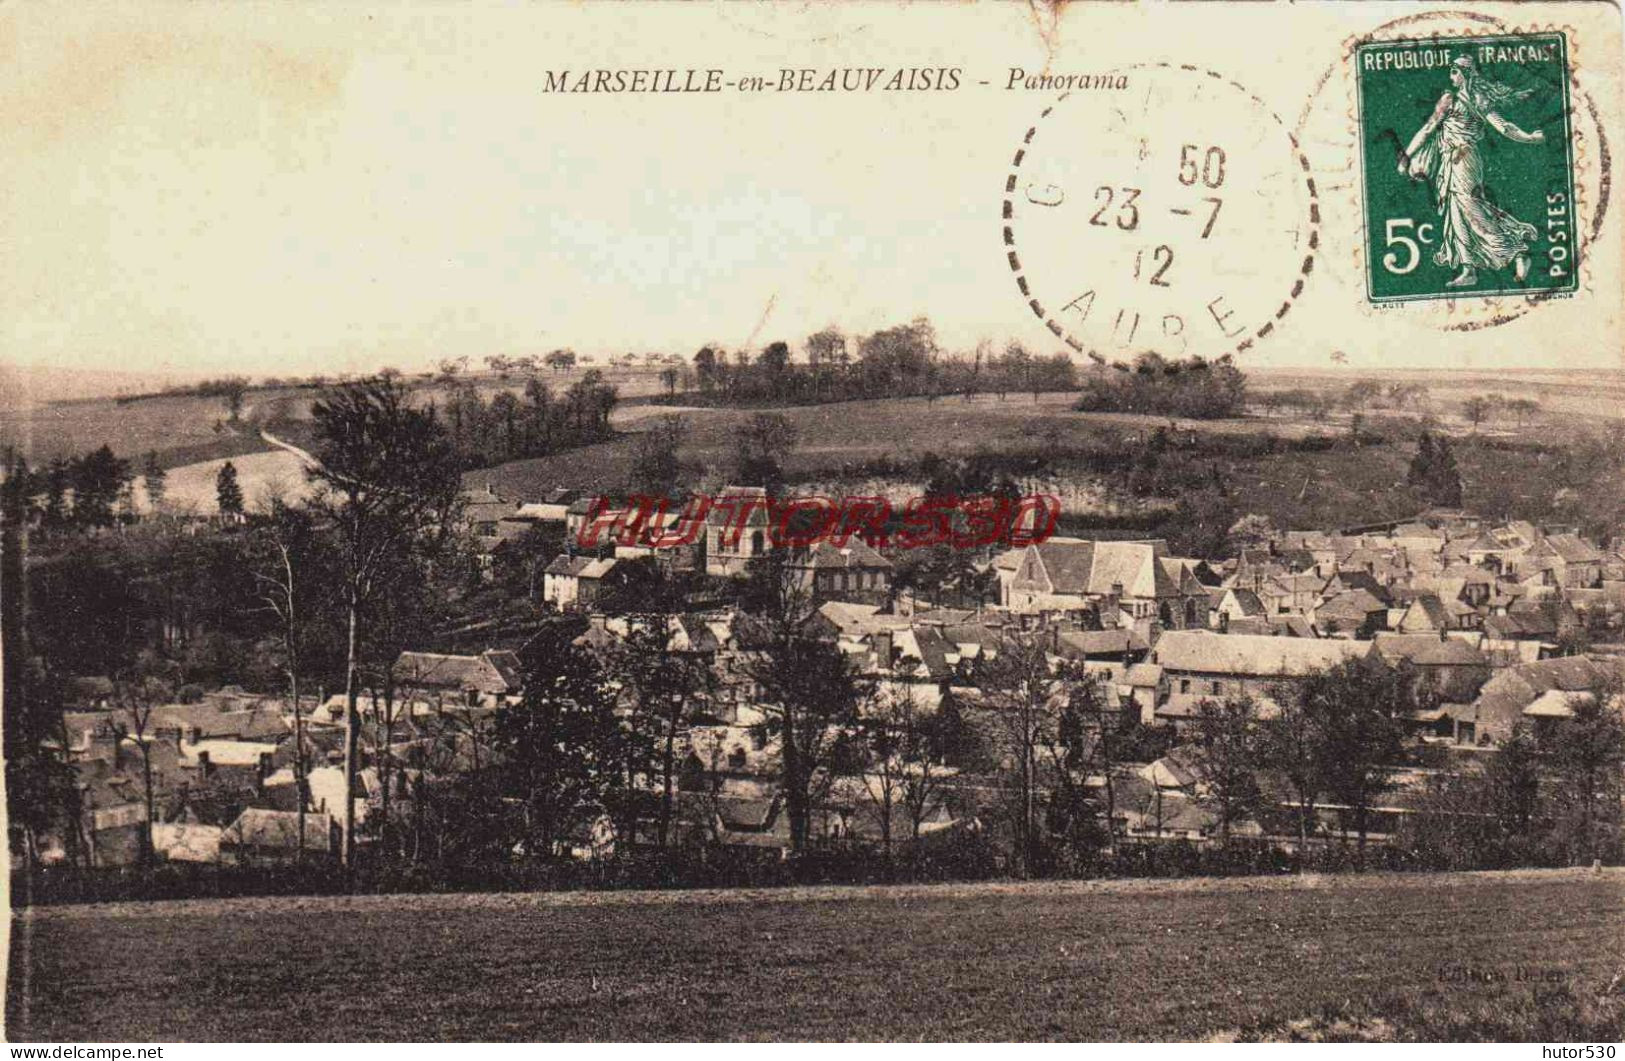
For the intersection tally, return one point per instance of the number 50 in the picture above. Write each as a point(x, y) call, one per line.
point(1393, 233)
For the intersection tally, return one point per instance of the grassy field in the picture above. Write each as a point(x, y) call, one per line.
point(165, 424)
point(183, 424)
point(1522, 955)
point(1563, 396)
point(186, 424)
point(828, 435)
point(1329, 489)
point(1336, 488)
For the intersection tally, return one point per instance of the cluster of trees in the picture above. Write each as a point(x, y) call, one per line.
point(1193, 387)
point(1365, 394)
point(95, 491)
point(81, 493)
point(326, 592)
point(901, 361)
point(340, 587)
point(1549, 796)
point(1358, 397)
point(1337, 740)
point(534, 423)
point(1433, 471)
point(1482, 407)
point(229, 389)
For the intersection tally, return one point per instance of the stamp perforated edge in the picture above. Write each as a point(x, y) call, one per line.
point(1570, 148)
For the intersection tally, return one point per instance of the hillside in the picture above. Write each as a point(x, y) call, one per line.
point(1050, 445)
point(183, 428)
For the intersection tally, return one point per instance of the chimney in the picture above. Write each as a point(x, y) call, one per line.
point(264, 766)
point(1224, 622)
point(194, 734)
point(205, 768)
point(883, 648)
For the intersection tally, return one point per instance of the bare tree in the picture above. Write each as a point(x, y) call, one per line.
point(389, 483)
point(1098, 751)
point(665, 687)
point(452, 367)
point(1017, 686)
point(232, 391)
point(1290, 747)
point(1522, 409)
point(136, 698)
point(924, 778)
point(808, 690)
point(1228, 753)
point(287, 543)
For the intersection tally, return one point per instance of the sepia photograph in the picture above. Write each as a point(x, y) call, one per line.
point(1006, 521)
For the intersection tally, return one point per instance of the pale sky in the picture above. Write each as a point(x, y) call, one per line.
point(299, 188)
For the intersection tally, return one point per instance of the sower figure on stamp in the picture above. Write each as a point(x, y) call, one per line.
point(1476, 233)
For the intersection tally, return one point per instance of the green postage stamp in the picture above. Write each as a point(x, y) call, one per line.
point(1468, 167)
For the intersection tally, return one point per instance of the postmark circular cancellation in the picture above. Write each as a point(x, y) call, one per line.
point(1176, 215)
point(1407, 104)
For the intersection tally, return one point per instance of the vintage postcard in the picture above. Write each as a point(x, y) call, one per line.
point(876, 521)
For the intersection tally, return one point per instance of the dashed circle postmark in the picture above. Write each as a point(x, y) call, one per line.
point(1176, 215)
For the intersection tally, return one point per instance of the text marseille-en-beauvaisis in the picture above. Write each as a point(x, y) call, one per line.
point(849, 79)
point(812, 79)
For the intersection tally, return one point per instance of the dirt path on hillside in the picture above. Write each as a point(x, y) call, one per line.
point(304, 456)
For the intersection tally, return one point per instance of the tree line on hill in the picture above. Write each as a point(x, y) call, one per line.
point(901, 361)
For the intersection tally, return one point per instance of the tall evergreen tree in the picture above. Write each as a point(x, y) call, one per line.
point(41, 793)
point(97, 478)
point(1433, 471)
point(153, 475)
point(228, 493)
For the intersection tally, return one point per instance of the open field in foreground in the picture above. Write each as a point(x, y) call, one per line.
point(1521, 955)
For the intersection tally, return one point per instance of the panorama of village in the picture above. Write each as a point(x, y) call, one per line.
point(381, 635)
